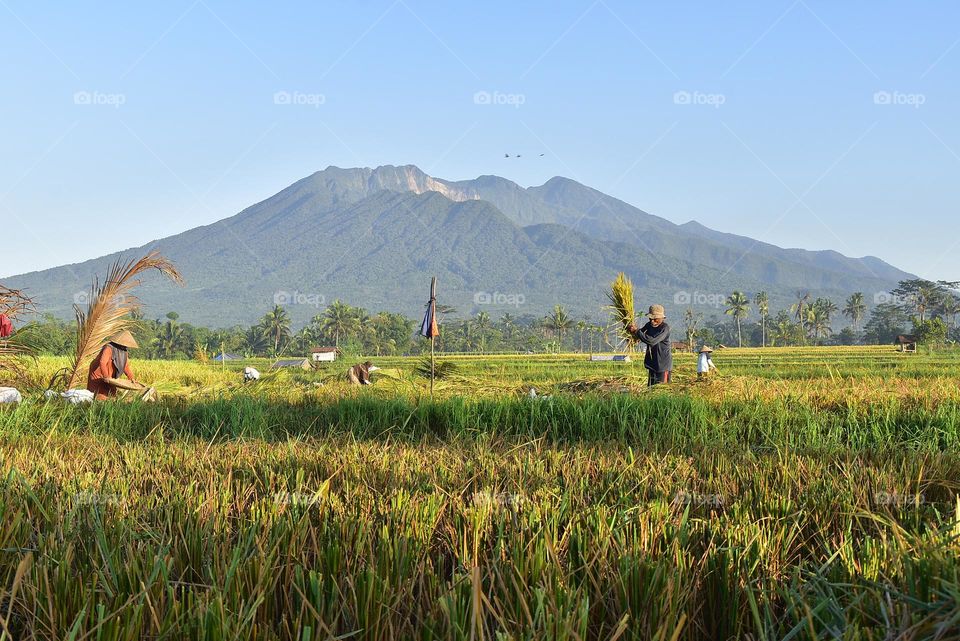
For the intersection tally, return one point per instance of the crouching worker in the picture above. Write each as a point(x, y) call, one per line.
point(112, 363)
point(705, 363)
point(360, 374)
point(656, 336)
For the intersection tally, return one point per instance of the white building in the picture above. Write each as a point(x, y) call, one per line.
point(324, 354)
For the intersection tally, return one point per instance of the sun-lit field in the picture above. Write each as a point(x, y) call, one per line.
point(803, 493)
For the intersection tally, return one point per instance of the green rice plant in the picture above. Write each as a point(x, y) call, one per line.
point(812, 493)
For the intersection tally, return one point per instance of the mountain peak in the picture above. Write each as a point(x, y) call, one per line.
point(372, 236)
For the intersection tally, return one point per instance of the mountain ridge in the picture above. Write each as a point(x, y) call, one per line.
point(372, 237)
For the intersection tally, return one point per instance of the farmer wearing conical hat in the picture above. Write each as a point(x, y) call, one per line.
point(656, 336)
point(705, 363)
point(360, 374)
point(112, 363)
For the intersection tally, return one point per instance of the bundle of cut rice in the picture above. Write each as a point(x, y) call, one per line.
point(621, 305)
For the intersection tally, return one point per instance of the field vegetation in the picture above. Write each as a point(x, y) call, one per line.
point(804, 493)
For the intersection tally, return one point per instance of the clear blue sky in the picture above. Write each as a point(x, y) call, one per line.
point(124, 122)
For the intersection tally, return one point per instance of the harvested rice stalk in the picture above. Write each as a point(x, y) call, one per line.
point(621, 307)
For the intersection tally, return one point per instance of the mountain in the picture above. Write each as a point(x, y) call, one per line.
point(373, 237)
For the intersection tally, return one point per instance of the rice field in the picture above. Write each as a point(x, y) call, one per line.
point(807, 493)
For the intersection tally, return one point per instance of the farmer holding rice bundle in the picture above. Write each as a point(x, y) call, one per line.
point(656, 336)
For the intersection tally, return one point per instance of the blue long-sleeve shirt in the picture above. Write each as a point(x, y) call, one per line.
point(659, 357)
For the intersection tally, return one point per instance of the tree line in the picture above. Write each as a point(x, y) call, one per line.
point(924, 308)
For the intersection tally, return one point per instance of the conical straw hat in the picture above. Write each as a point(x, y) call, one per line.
point(125, 339)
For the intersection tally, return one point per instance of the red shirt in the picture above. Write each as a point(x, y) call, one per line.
point(6, 326)
point(101, 368)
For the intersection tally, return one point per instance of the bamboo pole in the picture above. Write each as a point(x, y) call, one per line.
point(433, 339)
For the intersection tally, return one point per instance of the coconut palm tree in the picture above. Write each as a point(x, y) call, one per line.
point(818, 319)
point(558, 321)
point(596, 331)
point(855, 309)
point(508, 324)
point(827, 307)
point(340, 321)
point(783, 332)
point(365, 326)
point(581, 326)
point(950, 307)
point(169, 338)
point(799, 309)
point(483, 320)
point(276, 326)
point(738, 306)
point(762, 301)
point(483, 324)
point(254, 340)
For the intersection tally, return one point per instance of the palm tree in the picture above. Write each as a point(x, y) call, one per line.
point(339, 319)
point(365, 326)
point(483, 320)
point(950, 307)
point(508, 324)
point(783, 332)
point(819, 319)
point(442, 312)
point(581, 327)
point(169, 339)
point(483, 324)
point(827, 307)
point(927, 296)
point(855, 309)
point(558, 321)
point(276, 325)
point(799, 309)
point(303, 340)
point(254, 340)
point(378, 338)
point(762, 301)
point(468, 333)
point(738, 306)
